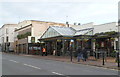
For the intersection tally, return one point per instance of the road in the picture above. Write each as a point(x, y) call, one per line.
point(24, 65)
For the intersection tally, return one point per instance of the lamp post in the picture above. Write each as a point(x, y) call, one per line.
point(118, 32)
point(118, 42)
point(0, 48)
point(71, 49)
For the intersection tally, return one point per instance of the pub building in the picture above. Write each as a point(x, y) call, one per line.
point(27, 34)
point(107, 42)
point(63, 39)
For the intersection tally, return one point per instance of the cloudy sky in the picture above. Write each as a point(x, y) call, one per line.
point(79, 11)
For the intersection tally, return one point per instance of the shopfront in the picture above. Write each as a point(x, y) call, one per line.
point(59, 44)
point(34, 48)
point(106, 42)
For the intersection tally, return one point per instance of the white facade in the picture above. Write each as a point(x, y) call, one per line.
point(107, 27)
point(7, 31)
point(24, 23)
point(37, 28)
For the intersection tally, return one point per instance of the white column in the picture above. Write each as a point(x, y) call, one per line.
point(114, 44)
point(93, 46)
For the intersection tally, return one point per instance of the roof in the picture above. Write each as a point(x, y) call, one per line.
point(83, 31)
point(64, 30)
point(106, 23)
point(83, 26)
point(10, 25)
point(38, 21)
point(54, 31)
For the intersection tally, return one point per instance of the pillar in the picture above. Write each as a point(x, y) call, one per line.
point(114, 44)
point(63, 41)
point(56, 47)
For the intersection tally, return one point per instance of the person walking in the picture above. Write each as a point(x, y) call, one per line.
point(43, 51)
point(79, 54)
point(84, 54)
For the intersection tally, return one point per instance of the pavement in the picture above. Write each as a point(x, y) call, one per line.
point(45, 65)
point(110, 62)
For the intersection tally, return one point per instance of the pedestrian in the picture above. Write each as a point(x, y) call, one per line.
point(84, 54)
point(79, 54)
point(43, 51)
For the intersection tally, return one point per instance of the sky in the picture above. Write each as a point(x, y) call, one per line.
point(73, 11)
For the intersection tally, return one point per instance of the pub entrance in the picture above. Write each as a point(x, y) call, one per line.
point(34, 48)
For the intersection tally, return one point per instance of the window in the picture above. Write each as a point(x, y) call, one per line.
point(6, 30)
point(2, 39)
point(7, 39)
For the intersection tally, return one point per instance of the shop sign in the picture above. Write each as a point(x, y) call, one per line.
point(78, 39)
point(32, 39)
point(58, 40)
point(67, 38)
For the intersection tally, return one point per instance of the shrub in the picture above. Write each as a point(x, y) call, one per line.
point(21, 36)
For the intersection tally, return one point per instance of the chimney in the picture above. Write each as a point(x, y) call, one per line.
point(74, 23)
point(67, 24)
point(79, 24)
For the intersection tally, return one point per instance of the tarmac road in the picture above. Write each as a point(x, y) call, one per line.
point(24, 65)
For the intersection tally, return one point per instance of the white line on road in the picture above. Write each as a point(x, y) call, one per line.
point(32, 66)
point(27, 55)
point(3, 58)
point(57, 73)
point(14, 61)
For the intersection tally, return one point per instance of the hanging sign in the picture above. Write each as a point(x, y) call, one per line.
point(58, 40)
point(32, 39)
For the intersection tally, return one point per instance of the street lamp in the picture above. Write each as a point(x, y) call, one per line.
point(118, 41)
point(118, 33)
point(71, 49)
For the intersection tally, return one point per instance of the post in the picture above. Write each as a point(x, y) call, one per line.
point(103, 58)
point(118, 30)
point(118, 59)
point(56, 52)
point(70, 52)
point(63, 47)
point(118, 41)
point(71, 49)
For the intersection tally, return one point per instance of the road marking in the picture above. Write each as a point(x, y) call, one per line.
point(14, 61)
point(27, 55)
point(3, 58)
point(57, 73)
point(31, 66)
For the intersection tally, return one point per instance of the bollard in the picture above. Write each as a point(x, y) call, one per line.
point(71, 55)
